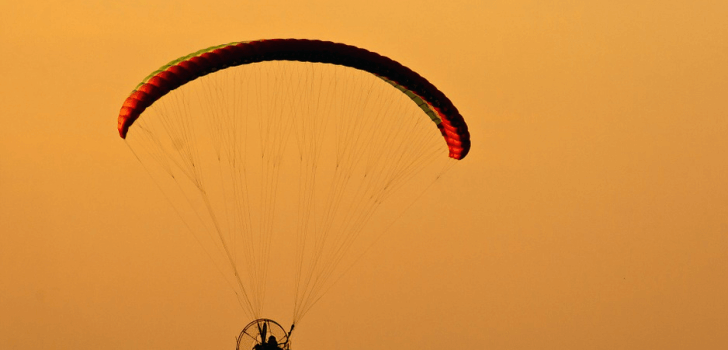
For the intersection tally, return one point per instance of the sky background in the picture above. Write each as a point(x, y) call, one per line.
point(591, 213)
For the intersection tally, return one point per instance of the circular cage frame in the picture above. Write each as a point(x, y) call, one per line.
point(251, 335)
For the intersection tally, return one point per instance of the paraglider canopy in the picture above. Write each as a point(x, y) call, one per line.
point(197, 64)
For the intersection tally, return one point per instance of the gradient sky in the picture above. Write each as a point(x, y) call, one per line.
point(592, 212)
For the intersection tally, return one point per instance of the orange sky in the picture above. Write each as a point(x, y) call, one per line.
point(592, 212)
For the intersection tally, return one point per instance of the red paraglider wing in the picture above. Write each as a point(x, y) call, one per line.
point(178, 72)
